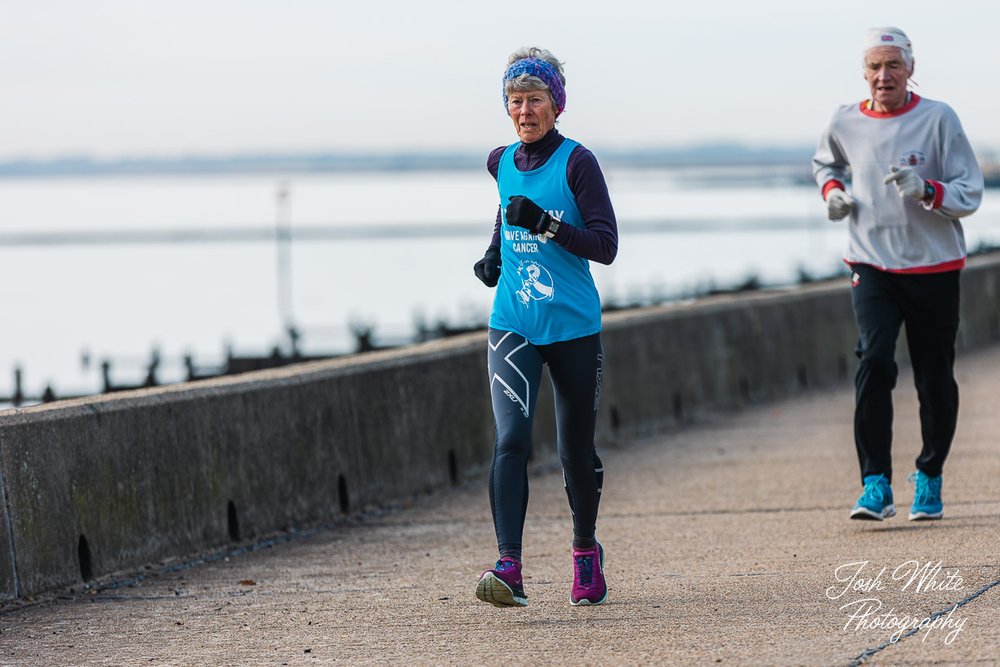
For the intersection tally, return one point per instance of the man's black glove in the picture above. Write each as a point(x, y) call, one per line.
point(488, 268)
point(522, 212)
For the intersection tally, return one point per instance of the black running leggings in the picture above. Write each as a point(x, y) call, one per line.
point(515, 371)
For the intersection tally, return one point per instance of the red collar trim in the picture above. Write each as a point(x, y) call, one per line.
point(871, 113)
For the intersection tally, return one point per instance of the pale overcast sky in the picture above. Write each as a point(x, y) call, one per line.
point(114, 78)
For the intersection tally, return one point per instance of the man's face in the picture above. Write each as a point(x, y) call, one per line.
point(886, 73)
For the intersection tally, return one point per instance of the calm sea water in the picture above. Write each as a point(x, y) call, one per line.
point(190, 265)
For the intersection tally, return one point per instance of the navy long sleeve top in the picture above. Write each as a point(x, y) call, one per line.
point(598, 240)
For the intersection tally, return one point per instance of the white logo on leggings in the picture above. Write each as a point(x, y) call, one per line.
point(600, 379)
point(508, 390)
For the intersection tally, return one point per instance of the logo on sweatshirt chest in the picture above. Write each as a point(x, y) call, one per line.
point(911, 158)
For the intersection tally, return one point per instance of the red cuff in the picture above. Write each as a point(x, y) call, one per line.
point(830, 185)
point(935, 203)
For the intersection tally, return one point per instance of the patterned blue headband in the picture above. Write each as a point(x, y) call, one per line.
point(544, 71)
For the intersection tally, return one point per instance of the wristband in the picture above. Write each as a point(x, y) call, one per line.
point(929, 191)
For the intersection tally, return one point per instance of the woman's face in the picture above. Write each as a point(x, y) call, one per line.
point(533, 114)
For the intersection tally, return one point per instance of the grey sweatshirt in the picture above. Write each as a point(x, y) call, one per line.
point(887, 231)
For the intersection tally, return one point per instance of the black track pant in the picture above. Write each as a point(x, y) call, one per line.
point(515, 371)
point(928, 305)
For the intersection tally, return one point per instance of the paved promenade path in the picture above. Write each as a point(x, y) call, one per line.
point(727, 543)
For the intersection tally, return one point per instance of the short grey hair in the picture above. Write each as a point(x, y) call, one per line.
point(526, 82)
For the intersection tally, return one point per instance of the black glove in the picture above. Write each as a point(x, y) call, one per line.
point(488, 268)
point(522, 212)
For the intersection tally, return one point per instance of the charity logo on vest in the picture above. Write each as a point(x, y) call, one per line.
point(536, 283)
point(523, 241)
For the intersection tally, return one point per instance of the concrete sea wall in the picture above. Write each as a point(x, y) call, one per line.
point(104, 485)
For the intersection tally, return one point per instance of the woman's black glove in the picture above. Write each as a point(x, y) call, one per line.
point(488, 268)
point(524, 213)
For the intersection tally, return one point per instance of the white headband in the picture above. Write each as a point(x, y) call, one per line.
point(888, 36)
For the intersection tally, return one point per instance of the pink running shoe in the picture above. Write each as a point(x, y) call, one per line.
point(589, 586)
point(502, 586)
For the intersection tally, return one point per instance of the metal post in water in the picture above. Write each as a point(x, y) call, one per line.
point(18, 398)
point(283, 241)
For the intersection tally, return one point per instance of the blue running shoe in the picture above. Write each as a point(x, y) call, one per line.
point(503, 586)
point(875, 502)
point(926, 497)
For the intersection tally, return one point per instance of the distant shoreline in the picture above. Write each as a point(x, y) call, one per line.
point(792, 165)
point(718, 155)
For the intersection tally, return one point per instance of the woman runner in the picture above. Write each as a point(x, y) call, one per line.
point(555, 214)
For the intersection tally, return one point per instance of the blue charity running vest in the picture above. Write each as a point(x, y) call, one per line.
point(545, 293)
